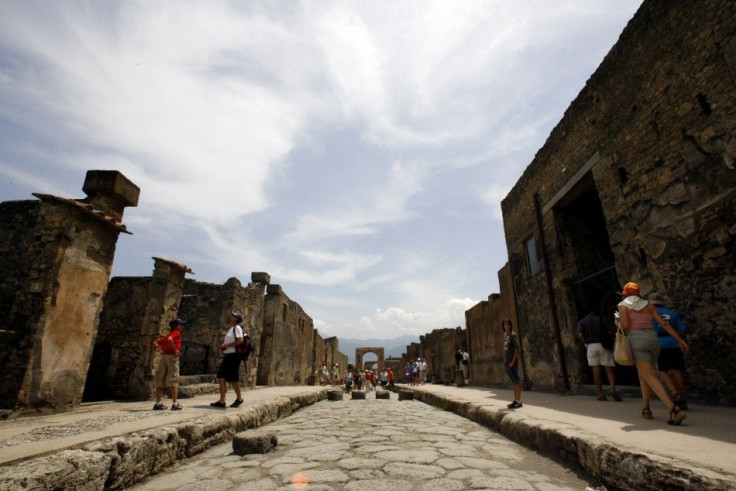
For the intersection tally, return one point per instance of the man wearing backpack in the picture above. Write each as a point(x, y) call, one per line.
point(598, 341)
point(230, 367)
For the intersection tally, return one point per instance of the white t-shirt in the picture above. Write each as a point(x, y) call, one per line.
point(232, 333)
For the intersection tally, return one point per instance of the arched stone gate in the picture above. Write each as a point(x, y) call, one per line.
point(359, 352)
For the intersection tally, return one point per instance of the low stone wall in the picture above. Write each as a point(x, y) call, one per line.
point(616, 467)
point(121, 461)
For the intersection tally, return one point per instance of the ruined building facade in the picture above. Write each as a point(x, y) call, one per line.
point(56, 256)
point(637, 182)
point(69, 333)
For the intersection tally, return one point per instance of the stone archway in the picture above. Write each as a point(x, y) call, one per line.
point(359, 352)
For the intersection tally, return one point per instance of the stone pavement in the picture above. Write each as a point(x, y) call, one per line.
point(113, 445)
point(371, 444)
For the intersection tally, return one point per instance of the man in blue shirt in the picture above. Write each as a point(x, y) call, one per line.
point(671, 361)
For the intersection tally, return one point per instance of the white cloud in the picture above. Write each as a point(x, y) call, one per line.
point(350, 149)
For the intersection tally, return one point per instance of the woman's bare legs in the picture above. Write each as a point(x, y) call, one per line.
point(650, 383)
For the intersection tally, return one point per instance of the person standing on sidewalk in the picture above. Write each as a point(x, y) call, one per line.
point(167, 372)
point(671, 361)
point(510, 360)
point(230, 367)
point(465, 366)
point(636, 317)
point(593, 332)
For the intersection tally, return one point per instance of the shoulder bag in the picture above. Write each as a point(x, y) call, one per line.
point(622, 349)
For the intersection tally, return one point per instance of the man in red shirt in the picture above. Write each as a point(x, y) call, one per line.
point(167, 373)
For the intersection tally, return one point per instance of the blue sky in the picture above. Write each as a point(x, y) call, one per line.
point(356, 151)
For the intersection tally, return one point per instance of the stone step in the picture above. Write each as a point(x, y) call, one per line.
point(207, 378)
point(192, 390)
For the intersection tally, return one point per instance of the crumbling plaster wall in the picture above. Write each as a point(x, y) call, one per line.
point(57, 255)
point(655, 126)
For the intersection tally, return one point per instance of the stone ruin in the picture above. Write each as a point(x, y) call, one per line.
point(56, 255)
point(61, 343)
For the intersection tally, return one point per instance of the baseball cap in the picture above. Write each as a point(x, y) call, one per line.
point(237, 315)
point(176, 322)
point(630, 288)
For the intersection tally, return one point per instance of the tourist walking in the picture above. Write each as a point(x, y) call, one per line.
point(671, 361)
point(636, 317)
point(511, 350)
point(229, 371)
point(384, 379)
point(598, 341)
point(167, 372)
point(465, 366)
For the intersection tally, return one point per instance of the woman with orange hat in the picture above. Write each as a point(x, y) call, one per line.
point(636, 317)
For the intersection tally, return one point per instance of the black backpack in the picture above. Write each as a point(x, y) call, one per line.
point(245, 348)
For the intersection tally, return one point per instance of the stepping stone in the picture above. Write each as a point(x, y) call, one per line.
point(356, 394)
point(383, 395)
point(406, 395)
point(334, 395)
point(247, 442)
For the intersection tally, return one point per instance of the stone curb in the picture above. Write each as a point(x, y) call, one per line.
point(617, 467)
point(120, 461)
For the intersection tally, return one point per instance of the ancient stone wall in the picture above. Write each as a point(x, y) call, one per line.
point(485, 336)
point(637, 183)
point(333, 355)
point(206, 307)
point(136, 313)
point(60, 272)
point(288, 343)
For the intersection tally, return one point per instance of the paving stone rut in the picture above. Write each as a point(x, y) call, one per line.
point(372, 444)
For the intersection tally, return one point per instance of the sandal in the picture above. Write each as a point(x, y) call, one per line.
point(676, 416)
point(646, 413)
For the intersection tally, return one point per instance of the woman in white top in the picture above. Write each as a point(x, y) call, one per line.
point(230, 367)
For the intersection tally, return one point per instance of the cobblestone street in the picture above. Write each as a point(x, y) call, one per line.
point(351, 445)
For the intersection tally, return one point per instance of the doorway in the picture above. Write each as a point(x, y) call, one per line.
point(582, 226)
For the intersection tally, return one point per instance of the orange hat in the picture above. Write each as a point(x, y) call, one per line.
point(630, 289)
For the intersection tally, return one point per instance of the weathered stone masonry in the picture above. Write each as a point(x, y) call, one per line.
point(637, 183)
point(136, 313)
point(56, 256)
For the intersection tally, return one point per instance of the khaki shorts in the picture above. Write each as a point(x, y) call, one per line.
point(598, 355)
point(167, 374)
point(644, 345)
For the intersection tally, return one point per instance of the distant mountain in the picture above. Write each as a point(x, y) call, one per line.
point(391, 347)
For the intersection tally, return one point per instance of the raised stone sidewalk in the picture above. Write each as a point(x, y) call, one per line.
point(610, 440)
point(114, 445)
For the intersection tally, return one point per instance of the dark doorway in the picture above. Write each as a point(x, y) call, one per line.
point(95, 386)
point(582, 224)
point(194, 359)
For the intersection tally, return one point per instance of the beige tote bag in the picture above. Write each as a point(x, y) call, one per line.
point(622, 349)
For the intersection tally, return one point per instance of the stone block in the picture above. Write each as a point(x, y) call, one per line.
point(264, 278)
point(249, 443)
point(406, 395)
point(334, 395)
point(356, 394)
point(111, 183)
point(384, 394)
point(274, 290)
